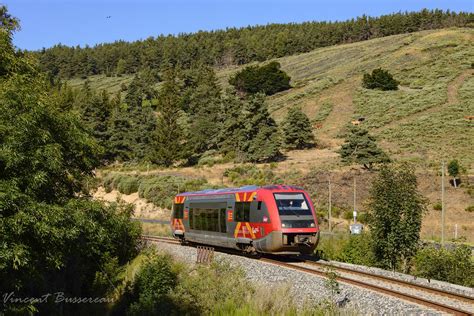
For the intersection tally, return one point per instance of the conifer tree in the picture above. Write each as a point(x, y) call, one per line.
point(95, 111)
point(379, 79)
point(142, 118)
point(258, 138)
point(120, 136)
point(361, 148)
point(297, 132)
point(229, 121)
point(204, 106)
point(268, 79)
point(168, 140)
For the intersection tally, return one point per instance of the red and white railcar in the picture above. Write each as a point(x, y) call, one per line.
point(270, 219)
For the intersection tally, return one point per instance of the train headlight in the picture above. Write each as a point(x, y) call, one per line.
point(311, 225)
point(283, 225)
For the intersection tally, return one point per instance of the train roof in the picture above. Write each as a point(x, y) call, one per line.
point(247, 188)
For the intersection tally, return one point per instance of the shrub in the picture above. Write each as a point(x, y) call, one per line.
point(332, 246)
point(470, 208)
point(157, 189)
point(128, 185)
point(437, 206)
point(356, 249)
point(268, 79)
point(364, 218)
point(323, 112)
point(199, 291)
point(348, 215)
point(379, 79)
point(454, 266)
point(209, 158)
point(251, 175)
point(152, 287)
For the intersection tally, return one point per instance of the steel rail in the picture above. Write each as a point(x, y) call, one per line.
point(420, 287)
point(379, 289)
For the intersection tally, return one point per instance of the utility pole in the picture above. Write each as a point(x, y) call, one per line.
point(330, 203)
point(355, 211)
point(442, 203)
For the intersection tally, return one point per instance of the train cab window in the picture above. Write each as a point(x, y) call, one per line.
point(178, 210)
point(242, 211)
point(292, 204)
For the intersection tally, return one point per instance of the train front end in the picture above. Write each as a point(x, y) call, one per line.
point(295, 226)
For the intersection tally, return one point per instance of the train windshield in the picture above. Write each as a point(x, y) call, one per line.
point(292, 204)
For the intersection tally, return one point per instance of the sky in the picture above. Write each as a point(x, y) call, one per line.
point(45, 23)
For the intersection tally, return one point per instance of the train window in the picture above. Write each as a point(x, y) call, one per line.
point(222, 220)
point(191, 218)
point(213, 220)
point(242, 211)
point(207, 219)
point(178, 210)
point(292, 204)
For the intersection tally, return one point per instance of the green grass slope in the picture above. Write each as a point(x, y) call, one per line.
point(422, 122)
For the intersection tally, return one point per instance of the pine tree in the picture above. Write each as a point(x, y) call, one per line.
point(297, 132)
point(229, 121)
point(258, 139)
point(268, 79)
point(95, 112)
point(143, 121)
point(140, 117)
point(361, 148)
point(121, 140)
point(168, 140)
point(204, 103)
point(379, 79)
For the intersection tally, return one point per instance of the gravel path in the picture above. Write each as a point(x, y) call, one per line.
point(309, 287)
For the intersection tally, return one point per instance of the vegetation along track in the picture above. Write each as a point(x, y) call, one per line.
point(284, 262)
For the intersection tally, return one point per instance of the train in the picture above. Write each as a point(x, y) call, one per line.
point(276, 219)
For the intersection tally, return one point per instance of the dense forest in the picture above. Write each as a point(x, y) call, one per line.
point(236, 46)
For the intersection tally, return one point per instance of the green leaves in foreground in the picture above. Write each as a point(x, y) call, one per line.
point(74, 248)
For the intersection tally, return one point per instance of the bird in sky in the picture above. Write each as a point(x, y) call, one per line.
point(109, 16)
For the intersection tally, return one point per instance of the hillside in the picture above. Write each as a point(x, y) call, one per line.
point(422, 122)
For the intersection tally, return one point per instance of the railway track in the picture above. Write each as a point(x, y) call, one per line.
point(400, 294)
point(456, 296)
